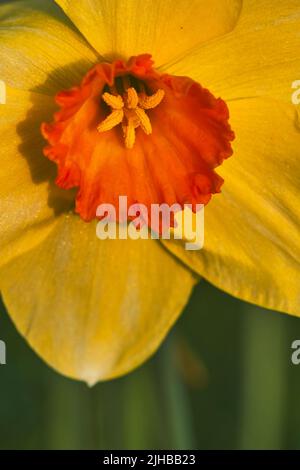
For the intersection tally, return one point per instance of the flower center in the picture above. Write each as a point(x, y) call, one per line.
point(128, 109)
point(177, 165)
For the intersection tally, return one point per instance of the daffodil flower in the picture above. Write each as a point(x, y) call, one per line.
point(122, 97)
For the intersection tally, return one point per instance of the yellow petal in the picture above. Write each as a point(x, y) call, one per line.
point(164, 28)
point(252, 244)
point(39, 47)
point(94, 309)
point(260, 57)
point(28, 197)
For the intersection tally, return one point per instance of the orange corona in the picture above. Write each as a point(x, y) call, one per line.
point(129, 130)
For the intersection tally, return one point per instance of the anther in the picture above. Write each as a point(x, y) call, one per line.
point(129, 110)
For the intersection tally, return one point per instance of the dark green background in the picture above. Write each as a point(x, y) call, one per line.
point(223, 379)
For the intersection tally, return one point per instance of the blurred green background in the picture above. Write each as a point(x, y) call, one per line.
point(223, 379)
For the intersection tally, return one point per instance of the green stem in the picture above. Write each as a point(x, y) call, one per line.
point(177, 401)
point(265, 367)
point(67, 422)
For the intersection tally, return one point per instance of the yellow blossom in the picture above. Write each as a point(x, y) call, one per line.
point(96, 309)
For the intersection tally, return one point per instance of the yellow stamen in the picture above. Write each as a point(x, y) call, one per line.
point(144, 121)
point(132, 98)
point(115, 118)
point(149, 102)
point(115, 102)
point(129, 134)
point(130, 111)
